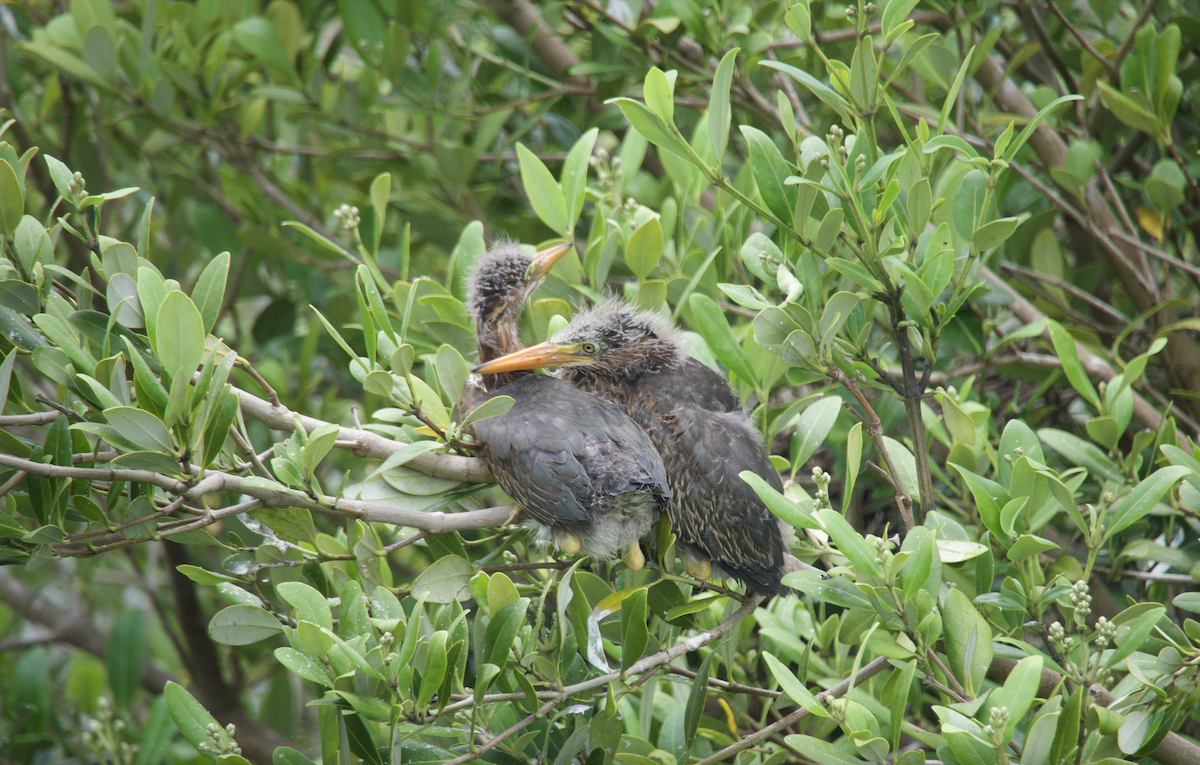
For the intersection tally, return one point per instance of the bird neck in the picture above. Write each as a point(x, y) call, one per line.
point(495, 340)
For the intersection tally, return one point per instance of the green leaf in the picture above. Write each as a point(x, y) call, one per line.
point(906, 465)
point(1131, 639)
point(634, 634)
point(242, 625)
point(493, 407)
point(894, 14)
point(849, 542)
point(696, 698)
point(310, 605)
point(434, 669)
point(306, 665)
point(12, 201)
point(813, 426)
point(190, 716)
point(916, 570)
point(968, 641)
point(952, 96)
point(718, 105)
point(659, 93)
point(770, 172)
point(1027, 546)
point(68, 63)
point(381, 191)
point(1049, 109)
point(650, 127)
point(545, 195)
point(1082, 453)
point(140, 427)
point(792, 686)
point(821, 751)
point(209, 294)
point(969, 201)
point(645, 248)
point(126, 656)
point(259, 38)
point(452, 371)
point(1019, 691)
point(790, 512)
point(1064, 348)
point(959, 423)
point(837, 590)
point(993, 234)
point(831, 226)
point(710, 320)
point(502, 629)
point(179, 335)
point(857, 273)
point(574, 175)
point(448, 579)
point(1134, 505)
point(949, 142)
point(818, 88)
point(799, 20)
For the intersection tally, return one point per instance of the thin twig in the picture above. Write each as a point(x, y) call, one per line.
point(1113, 74)
point(871, 669)
point(1170, 260)
point(875, 431)
point(1063, 284)
point(11, 482)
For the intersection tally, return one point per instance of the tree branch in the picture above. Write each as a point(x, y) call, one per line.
point(368, 444)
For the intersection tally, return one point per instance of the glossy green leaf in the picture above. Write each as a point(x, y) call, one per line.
point(545, 195)
point(645, 248)
point(713, 326)
point(718, 104)
point(792, 686)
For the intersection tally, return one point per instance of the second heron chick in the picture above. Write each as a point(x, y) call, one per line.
point(584, 473)
point(694, 419)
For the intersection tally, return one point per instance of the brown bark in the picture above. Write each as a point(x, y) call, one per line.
point(522, 16)
point(1182, 354)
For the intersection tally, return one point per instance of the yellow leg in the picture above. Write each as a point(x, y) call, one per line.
point(513, 516)
point(634, 557)
point(569, 544)
point(701, 569)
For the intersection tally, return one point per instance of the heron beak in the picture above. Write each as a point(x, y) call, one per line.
point(545, 260)
point(536, 357)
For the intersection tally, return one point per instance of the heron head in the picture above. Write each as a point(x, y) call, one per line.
point(504, 278)
point(613, 340)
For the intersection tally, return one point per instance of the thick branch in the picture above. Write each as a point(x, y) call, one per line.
point(550, 48)
point(215, 481)
point(368, 444)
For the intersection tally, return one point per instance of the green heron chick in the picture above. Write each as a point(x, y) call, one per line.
point(696, 421)
point(583, 472)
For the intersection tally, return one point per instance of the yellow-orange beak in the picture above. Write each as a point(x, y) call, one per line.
point(545, 354)
point(545, 260)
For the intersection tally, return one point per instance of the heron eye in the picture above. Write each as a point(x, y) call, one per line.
point(588, 348)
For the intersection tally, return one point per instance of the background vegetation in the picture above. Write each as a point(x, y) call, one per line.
point(946, 252)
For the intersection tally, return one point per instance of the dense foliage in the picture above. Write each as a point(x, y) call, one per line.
point(946, 252)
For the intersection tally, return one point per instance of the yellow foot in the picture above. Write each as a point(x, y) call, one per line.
point(701, 569)
point(634, 558)
point(512, 518)
point(569, 543)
